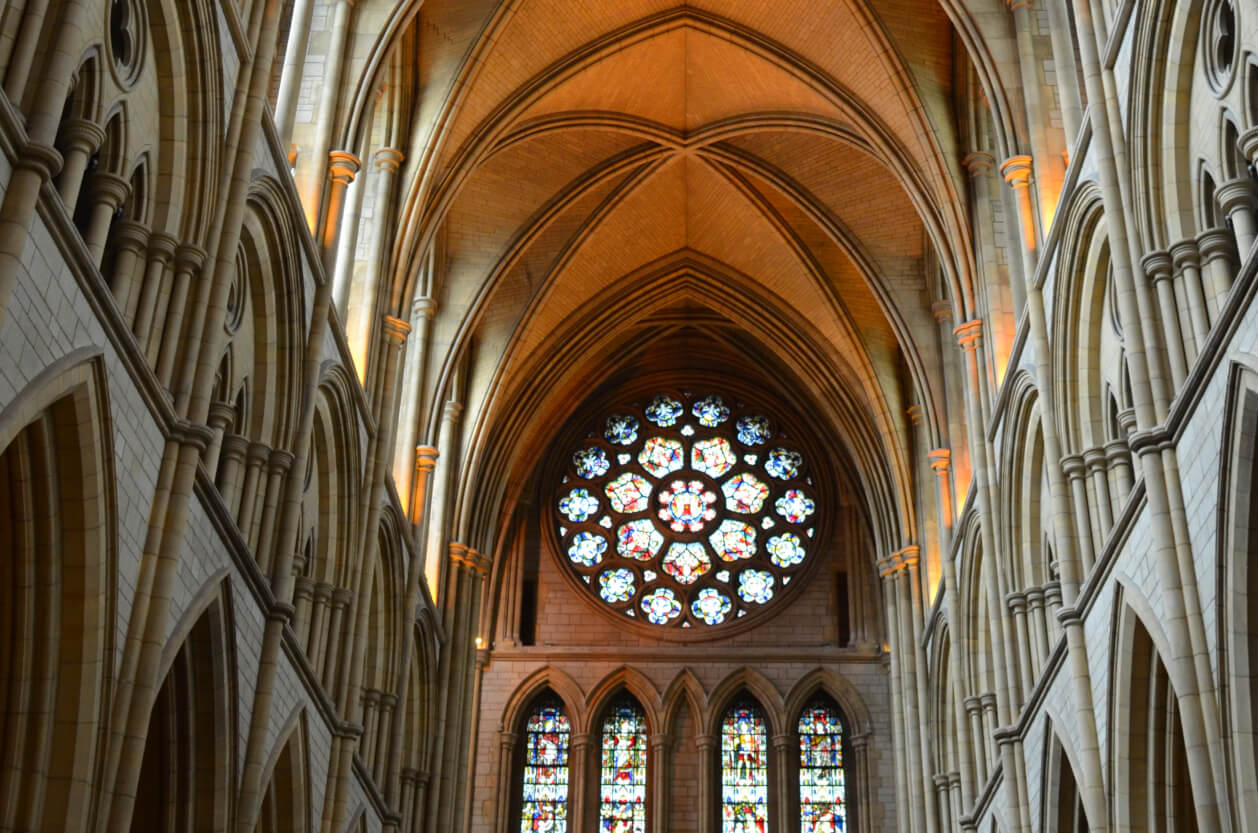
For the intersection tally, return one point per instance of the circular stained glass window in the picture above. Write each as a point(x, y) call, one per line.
point(686, 510)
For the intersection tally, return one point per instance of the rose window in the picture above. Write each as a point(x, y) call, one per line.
point(686, 511)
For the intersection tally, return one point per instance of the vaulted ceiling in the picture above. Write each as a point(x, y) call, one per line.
point(598, 175)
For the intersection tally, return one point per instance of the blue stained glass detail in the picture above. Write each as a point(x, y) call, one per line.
point(622, 786)
point(616, 586)
point(711, 606)
point(587, 549)
point(544, 799)
point(711, 411)
point(755, 586)
point(822, 806)
point(785, 550)
point(661, 606)
point(664, 410)
point(795, 506)
point(622, 429)
point(579, 505)
point(754, 430)
point(591, 462)
point(744, 772)
point(783, 463)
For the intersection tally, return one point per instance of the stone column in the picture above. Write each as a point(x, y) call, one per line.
point(1218, 266)
point(1067, 70)
point(507, 742)
point(1118, 457)
point(343, 166)
point(412, 391)
point(371, 725)
point(80, 138)
point(188, 263)
point(161, 254)
point(319, 618)
point(310, 186)
point(303, 597)
point(1038, 627)
point(982, 743)
point(1180, 351)
point(1052, 606)
point(659, 769)
point(958, 805)
point(294, 69)
point(781, 796)
point(913, 585)
point(231, 462)
point(221, 416)
point(109, 192)
point(903, 713)
point(1017, 606)
point(1074, 469)
point(708, 794)
point(131, 239)
point(1236, 198)
point(943, 799)
point(1098, 467)
point(255, 460)
point(278, 465)
point(336, 631)
point(1017, 172)
point(980, 167)
point(991, 722)
point(1048, 153)
point(436, 548)
point(358, 320)
point(1203, 310)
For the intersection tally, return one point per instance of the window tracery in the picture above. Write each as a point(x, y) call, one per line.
point(622, 786)
point(822, 807)
point(691, 511)
point(544, 791)
point(744, 771)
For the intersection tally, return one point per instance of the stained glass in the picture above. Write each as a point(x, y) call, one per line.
point(639, 540)
point(686, 506)
point(591, 462)
point(753, 430)
point(660, 456)
point(783, 463)
point(755, 586)
point(821, 794)
point(663, 411)
point(544, 800)
point(744, 772)
point(686, 562)
point(722, 575)
point(712, 457)
point(621, 429)
point(711, 411)
point(661, 606)
point(785, 550)
point(744, 493)
point(622, 793)
point(616, 586)
point(734, 540)
point(711, 606)
point(629, 493)
point(587, 549)
point(795, 506)
point(579, 505)
point(687, 430)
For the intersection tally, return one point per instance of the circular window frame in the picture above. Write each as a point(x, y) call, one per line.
point(127, 73)
point(1219, 78)
point(584, 433)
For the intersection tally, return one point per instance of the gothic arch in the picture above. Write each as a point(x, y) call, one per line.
point(1027, 500)
point(541, 680)
point(286, 803)
point(57, 580)
point(684, 692)
point(632, 681)
point(1061, 804)
point(857, 719)
point(750, 682)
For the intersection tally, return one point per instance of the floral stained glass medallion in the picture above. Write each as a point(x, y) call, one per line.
point(544, 798)
point(744, 772)
point(683, 524)
point(622, 785)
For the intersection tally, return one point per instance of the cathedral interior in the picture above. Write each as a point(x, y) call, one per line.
point(560, 416)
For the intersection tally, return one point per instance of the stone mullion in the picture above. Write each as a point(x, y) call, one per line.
point(188, 263)
point(887, 569)
point(108, 192)
point(507, 743)
point(425, 460)
point(659, 769)
point(709, 772)
point(463, 654)
point(579, 784)
point(455, 618)
point(914, 585)
point(860, 815)
point(1200, 726)
point(940, 463)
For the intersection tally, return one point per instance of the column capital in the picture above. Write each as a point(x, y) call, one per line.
point(452, 411)
point(1116, 451)
point(979, 163)
point(457, 552)
point(1072, 466)
point(972, 704)
point(1247, 143)
point(190, 257)
point(43, 159)
point(1094, 459)
point(1014, 5)
point(1157, 266)
point(781, 742)
point(280, 461)
point(659, 741)
point(162, 247)
point(859, 742)
point(508, 739)
point(970, 334)
point(423, 307)
point(910, 557)
point(221, 414)
point(343, 166)
point(941, 781)
point(988, 700)
point(579, 739)
point(940, 459)
point(82, 135)
point(258, 454)
point(1185, 253)
point(396, 330)
point(942, 310)
point(132, 236)
point(916, 415)
point(1017, 171)
point(1216, 243)
point(341, 597)
point(388, 159)
point(1035, 597)
point(1016, 602)
point(110, 188)
point(889, 565)
point(705, 742)
point(1236, 194)
point(426, 458)
point(234, 447)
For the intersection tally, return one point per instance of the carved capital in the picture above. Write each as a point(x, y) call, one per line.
point(1017, 171)
point(978, 163)
point(82, 135)
point(389, 159)
point(343, 166)
point(1157, 266)
point(940, 460)
point(396, 330)
point(423, 308)
point(970, 334)
point(1185, 254)
point(426, 458)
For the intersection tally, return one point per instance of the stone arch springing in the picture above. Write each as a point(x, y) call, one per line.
point(57, 604)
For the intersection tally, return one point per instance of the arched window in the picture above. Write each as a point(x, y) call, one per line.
point(822, 799)
point(544, 789)
point(744, 771)
point(622, 786)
